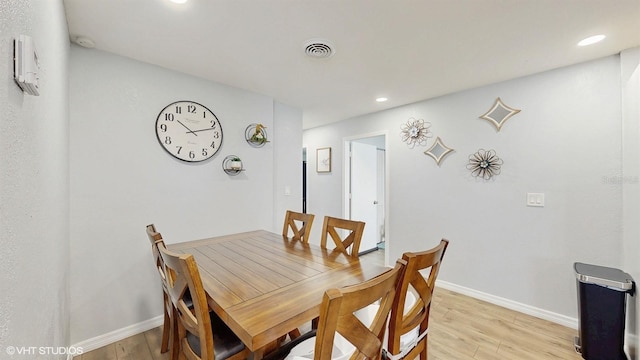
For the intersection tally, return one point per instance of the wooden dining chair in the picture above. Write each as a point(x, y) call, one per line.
point(341, 334)
point(200, 334)
point(349, 244)
point(299, 224)
point(409, 320)
point(156, 240)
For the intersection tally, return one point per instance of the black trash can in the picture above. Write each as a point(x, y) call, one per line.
point(601, 310)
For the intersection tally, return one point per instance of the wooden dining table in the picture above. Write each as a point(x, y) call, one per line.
point(264, 285)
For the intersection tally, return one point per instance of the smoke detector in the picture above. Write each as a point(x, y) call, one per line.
point(85, 42)
point(319, 48)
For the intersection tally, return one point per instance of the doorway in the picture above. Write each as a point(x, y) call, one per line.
point(304, 180)
point(365, 188)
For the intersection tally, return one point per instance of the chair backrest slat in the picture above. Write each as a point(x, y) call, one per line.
point(155, 238)
point(183, 280)
point(350, 244)
point(403, 321)
point(299, 224)
point(337, 315)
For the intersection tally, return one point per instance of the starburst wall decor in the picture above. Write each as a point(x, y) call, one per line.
point(416, 131)
point(484, 164)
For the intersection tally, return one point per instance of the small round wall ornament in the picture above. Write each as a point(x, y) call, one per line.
point(256, 135)
point(484, 164)
point(416, 131)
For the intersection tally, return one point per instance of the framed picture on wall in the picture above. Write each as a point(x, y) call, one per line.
point(323, 160)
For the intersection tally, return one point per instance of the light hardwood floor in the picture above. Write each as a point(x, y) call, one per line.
point(461, 328)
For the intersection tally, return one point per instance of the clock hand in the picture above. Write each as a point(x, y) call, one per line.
point(207, 129)
point(185, 126)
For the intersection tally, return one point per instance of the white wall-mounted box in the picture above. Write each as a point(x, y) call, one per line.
point(535, 199)
point(26, 65)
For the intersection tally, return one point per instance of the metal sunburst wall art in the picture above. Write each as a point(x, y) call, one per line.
point(499, 114)
point(416, 131)
point(484, 164)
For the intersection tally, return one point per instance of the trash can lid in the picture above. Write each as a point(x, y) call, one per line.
point(603, 276)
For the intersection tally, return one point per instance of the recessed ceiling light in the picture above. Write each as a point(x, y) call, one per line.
point(178, 1)
point(381, 99)
point(591, 40)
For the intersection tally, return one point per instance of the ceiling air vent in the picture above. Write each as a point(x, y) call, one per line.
point(319, 48)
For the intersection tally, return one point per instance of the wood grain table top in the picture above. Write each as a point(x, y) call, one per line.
point(264, 285)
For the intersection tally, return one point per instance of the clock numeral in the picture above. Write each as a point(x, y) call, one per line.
point(179, 148)
point(204, 114)
point(167, 140)
point(213, 145)
point(191, 109)
point(213, 125)
point(163, 127)
point(216, 135)
point(192, 155)
point(204, 152)
point(168, 117)
point(178, 109)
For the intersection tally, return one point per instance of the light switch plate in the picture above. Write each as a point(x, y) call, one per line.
point(26, 65)
point(535, 199)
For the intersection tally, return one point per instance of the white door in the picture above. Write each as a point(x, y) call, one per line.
point(364, 189)
point(381, 232)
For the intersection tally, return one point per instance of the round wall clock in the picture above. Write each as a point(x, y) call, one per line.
point(189, 131)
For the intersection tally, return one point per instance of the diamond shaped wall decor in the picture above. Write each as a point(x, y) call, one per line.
point(499, 114)
point(438, 151)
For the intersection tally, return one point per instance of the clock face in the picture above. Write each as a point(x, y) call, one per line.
point(189, 131)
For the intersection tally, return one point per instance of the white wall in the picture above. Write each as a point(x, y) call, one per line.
point(566, 143)
point(288, 168)
point(630, 75)
point(122, 180)
point(34, 184)
point(324, 190)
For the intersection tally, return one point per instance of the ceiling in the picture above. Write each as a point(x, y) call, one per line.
point(405, 50)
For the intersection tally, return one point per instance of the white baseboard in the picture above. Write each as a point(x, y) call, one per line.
point(117, 335)
point(513, 305)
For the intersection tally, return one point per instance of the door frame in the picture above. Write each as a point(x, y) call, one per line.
point(346, 178)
